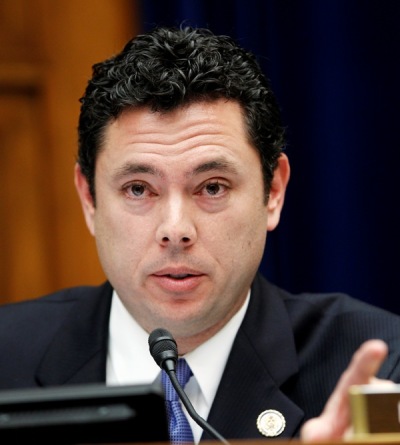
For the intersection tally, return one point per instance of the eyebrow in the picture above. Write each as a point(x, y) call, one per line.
point(215, 165)
point(133, 168)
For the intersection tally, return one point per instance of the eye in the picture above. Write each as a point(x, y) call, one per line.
point(213, 189)
point(137, 190)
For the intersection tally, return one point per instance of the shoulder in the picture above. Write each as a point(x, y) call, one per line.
point(327, 308)
point(341, 314)
point(27, 329)
point(56, 301)
point(329, 327)
point(45, 314)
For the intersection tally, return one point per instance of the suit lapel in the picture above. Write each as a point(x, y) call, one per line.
point(262, 359)
point(78, 352)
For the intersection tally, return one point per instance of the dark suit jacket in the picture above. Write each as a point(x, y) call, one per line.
point(288, 354)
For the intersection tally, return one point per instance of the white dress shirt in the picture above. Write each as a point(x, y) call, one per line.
point(129, 361)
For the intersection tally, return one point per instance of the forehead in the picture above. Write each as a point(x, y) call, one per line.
point(190, 132)
point(219, 115)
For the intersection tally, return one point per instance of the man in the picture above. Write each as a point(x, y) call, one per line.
point(181, 175)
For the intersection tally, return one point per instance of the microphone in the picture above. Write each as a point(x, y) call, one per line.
point(164, 351)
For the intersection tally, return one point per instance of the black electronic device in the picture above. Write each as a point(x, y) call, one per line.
point(83, 414)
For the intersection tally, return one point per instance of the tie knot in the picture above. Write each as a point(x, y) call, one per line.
point(183, 374)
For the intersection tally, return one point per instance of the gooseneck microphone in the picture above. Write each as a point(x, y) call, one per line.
point(164, 351)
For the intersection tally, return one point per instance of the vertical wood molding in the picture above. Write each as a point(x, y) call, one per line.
point(46, 57)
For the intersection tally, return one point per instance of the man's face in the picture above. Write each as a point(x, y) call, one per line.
point(180, 219)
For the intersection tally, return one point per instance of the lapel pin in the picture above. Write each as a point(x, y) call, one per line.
point(271, 423)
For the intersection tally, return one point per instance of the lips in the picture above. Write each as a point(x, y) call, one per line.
point(177, 280)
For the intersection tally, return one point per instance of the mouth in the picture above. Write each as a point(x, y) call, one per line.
point(178, 272)
point(177, 281)
point(179, 276)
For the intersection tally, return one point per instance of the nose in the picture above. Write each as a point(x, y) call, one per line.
point(177, 228)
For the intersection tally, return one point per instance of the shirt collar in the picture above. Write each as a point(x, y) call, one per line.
point(129, 360)
point(208, 360)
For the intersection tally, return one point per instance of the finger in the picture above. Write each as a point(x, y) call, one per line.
point(335, 418)
point(364, 365)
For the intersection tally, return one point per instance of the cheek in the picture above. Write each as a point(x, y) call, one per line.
point(255, 234)
point(252, 242)
point(240, 233)
point(121, 238)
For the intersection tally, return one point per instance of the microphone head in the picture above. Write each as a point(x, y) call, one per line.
point(163, 347)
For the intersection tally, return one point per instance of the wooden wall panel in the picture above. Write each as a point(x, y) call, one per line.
point(25, 264)
point(47, 50)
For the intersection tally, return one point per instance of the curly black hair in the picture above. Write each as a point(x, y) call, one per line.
point(169, 67)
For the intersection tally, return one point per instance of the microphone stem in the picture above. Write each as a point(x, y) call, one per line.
point(192, 412)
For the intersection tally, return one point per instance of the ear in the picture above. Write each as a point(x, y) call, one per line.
point(85, 197)
point(277, 192)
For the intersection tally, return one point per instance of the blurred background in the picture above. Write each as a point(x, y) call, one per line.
point(334, 66)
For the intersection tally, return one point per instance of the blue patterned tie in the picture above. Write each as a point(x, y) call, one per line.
point(179, 428)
